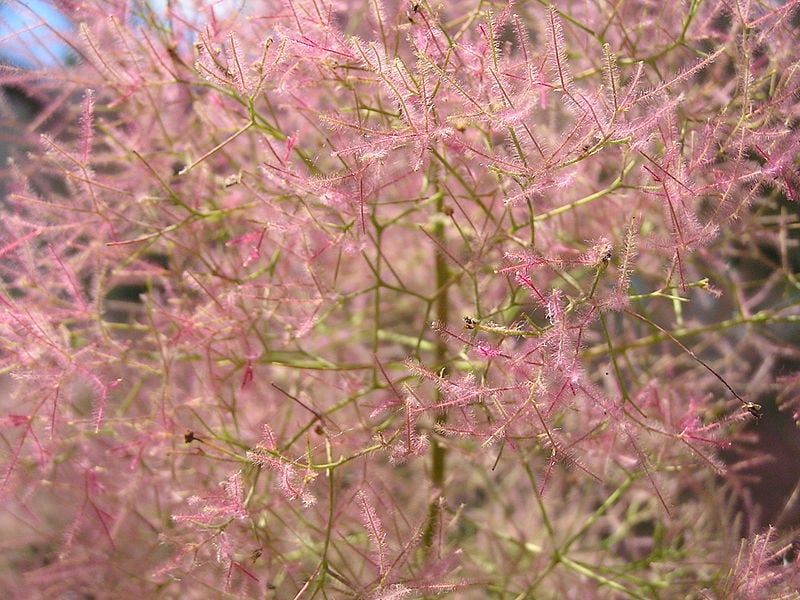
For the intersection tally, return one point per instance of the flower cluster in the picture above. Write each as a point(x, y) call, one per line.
point(324, 298)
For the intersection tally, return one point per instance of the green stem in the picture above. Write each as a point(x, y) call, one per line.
point(438, 452)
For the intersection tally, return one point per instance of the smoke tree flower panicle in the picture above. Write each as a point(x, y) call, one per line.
point(337, 299)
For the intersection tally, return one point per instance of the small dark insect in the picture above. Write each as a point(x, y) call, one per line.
point(754, 409)
point(470, 323)
point(189, 437)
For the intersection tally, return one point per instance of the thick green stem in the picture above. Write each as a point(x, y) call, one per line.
point(438, 452)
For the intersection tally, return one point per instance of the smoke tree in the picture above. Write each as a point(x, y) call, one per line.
point(335, 299)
